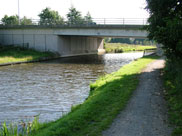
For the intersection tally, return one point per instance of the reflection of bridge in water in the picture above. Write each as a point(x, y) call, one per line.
point(70, 40)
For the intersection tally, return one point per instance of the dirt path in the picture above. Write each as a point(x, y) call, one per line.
point(145, 114)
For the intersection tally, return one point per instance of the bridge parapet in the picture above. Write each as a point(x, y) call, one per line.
point(76, 26)
point(121, 21)
point(93, 21)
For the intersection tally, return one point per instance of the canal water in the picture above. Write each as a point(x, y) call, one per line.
point(51, 88)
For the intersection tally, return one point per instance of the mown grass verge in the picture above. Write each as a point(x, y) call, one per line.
point(173, 89)
point(119, 47)
point(10, 54)
point(108, 96)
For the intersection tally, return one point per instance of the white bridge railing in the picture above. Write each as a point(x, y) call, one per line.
point(94, 21)
point(120, 21)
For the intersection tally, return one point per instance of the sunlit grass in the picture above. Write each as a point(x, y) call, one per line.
point(119, 47)
point(12, 59)
point(10, 54)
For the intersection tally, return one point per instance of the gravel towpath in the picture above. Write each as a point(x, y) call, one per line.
point(145, 114)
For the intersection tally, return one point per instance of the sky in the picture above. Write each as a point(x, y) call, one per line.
point(97, 8)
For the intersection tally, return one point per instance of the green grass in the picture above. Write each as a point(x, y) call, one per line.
point(14, 130)
point(119, 48)
point(173, 90)
point(9, 54)
point(108, 96)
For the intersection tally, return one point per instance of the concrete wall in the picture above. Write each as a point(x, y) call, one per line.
point(38, 39)
point(79, 45)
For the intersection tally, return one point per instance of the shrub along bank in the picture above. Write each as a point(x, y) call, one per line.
point(108, 96)
point(11, 54)
point(173, 81)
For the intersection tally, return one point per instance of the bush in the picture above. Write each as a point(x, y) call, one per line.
point(173, 80)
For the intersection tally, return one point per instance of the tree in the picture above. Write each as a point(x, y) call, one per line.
point(50, 17)
point(74, 17)
point(88, 18)
point(26, 21)
point(165, 25)
point(10, 20)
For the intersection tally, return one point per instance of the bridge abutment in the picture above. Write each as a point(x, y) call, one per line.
point(41, 40)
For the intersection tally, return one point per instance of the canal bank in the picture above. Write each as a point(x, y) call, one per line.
point(108, 96)
point(120, 47)
point(146, 113)
point(11, 55)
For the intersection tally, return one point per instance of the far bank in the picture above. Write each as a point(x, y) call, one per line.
point(120, 47)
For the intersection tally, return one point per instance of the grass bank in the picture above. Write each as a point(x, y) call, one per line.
point(10, 54)
point(119, 47)
point(108, 96)
point(173, 90)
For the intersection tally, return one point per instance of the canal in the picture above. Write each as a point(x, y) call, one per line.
point(51, 88)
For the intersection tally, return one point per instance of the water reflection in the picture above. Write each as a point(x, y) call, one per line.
point(51, 88)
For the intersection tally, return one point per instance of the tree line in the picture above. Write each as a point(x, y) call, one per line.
point(50, 17)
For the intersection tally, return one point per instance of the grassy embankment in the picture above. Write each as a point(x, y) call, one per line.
point(10, 54)
point(108, 96)
point(173, 86)
point(119, 47)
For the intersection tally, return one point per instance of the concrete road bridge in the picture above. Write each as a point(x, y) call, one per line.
point(70, 40)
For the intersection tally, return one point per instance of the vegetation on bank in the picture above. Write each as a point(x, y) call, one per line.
point(119, 47)
point(10, 54)
point(173, 90)
point(21, 129)
point(165, 27)
point(108, 96)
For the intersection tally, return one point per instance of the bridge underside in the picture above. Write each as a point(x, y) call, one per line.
point(79, 45)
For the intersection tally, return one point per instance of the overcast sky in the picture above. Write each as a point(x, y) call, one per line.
point(97, 8)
